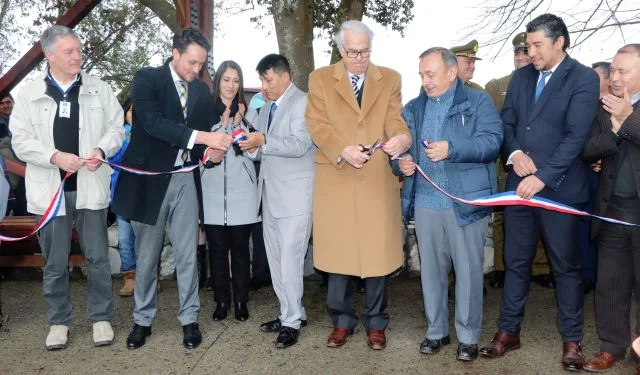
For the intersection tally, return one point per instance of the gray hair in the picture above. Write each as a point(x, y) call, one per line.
point(448, 57)
point(604, 66)
point(630, 48)
point(355, 25)
point(51, 35)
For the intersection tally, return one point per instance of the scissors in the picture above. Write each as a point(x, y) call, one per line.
point(370, 150)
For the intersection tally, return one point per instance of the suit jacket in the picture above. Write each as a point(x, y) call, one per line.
point(553, 130)
point(605, 145)
point(357, 223)
point(287, 167)
point(159, 131)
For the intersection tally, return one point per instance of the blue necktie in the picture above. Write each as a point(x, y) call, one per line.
point(541, 83)
point(272, 110)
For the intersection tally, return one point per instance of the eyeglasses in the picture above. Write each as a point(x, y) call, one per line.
point(353, 54)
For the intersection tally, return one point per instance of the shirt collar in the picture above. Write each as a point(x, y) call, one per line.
point(635, 98)
point(174, 76)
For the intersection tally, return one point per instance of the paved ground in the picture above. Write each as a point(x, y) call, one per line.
point(232, 347)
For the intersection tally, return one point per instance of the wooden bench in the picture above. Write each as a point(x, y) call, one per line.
point(27, 253)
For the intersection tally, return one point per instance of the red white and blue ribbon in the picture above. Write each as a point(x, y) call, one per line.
point(52, 211)
point(510, 198)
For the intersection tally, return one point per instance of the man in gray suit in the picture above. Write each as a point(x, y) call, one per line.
point(285, 187)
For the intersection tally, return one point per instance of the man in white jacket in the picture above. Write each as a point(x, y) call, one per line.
point(62, 122)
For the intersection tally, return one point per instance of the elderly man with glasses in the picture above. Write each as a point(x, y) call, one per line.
point(352, 106)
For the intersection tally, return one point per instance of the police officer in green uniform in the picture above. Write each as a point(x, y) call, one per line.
point(466, 56)
point(497, 90)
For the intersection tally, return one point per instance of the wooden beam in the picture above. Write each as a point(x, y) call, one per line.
point(29, 60)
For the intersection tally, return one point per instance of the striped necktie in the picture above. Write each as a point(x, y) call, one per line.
point(354, 85)
point(182, 89)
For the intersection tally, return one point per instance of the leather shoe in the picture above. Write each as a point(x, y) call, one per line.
point(601, 362)
point(242, 313)
point(192, 336)
point(572, 358)
point(376, 339)
point(338, 337)
point(287, 337)
point(502, 342)
point(467, 352)
point(221, 311)
point(433, 346)
point(545, 280)
point(275, 325)
point(137, 336)
point(497, 280)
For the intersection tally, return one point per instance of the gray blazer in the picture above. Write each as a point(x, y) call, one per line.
point(288, 168)
point(230, 189)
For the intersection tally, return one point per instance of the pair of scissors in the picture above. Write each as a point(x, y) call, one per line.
point(370, 150)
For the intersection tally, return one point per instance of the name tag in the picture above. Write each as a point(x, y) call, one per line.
point(65, 109)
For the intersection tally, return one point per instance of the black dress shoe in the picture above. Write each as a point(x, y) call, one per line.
point(221, 311)
point(497, 280)
point(137, 336)
point(242, 313)
point(287, 337)
point(256, 284)
point(467, 352)
point(433, 346)
point(588, 286)
point(275, 325)
point(546, 280)
point(192, 336)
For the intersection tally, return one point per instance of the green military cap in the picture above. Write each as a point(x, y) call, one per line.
point(520, 41)
point(470, 49)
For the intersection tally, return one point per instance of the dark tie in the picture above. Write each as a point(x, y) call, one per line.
point(272, 111)
point(541, 83)
point(354, 85)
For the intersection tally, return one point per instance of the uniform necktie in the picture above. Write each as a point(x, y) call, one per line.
point(182, 89)
point(354, 84)
point(542, 82)
point(272, 111)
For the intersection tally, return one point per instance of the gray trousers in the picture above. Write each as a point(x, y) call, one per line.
point(286, 241)
point(340, 302)
point(442, 242)
point(55, 242)
point(179, 211)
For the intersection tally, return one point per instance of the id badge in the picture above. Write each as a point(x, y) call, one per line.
point(65, 109)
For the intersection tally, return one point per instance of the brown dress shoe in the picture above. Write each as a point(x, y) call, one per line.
point(338, 337)
point(601, 362)
point(376, 339)
point(572, 358)
point(502, 342)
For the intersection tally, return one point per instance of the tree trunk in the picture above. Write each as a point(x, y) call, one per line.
point(164, 11)
point(294, 30)
point(348, 10)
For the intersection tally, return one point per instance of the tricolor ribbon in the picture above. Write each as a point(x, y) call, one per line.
point(52, 210)
point(510, 198)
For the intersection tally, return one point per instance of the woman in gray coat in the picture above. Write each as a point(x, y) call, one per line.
point(230, 197)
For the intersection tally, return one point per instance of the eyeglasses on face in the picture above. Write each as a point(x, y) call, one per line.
point(353, 54)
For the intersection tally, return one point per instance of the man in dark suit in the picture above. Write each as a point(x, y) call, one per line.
point(615, 139)
point(171, 111)
point(547, 116)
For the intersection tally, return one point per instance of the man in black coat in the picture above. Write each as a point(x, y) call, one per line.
point(547, 116)
point(171, 110)
point(615, 139)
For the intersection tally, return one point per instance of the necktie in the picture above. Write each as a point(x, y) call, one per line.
point(182, 89)
point(272, 111)
point(541, 83)
point(354, 84)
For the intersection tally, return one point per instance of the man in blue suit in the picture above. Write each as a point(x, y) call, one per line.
point(549, 109)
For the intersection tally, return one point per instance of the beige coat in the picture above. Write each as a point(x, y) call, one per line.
point(357, 225)
point(31, 124)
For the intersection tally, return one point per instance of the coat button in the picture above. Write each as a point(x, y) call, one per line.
point(528, 128)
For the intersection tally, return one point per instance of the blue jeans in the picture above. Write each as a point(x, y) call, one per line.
point(126, 245)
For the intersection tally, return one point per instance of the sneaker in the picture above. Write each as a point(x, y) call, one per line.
point(102, 333)
point(57, 337)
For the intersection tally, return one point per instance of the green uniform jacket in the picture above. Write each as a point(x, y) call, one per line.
point(473, 85)
point(497, 90)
